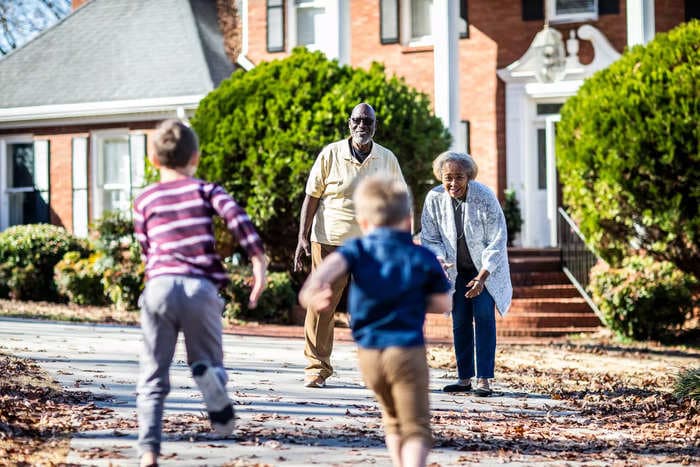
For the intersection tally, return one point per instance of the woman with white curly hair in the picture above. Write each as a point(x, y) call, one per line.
point(464, 225)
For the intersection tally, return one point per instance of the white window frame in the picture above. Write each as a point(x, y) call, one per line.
point(96, 140)
point(292, 21)
point(555, 17)
point(335, 40)
point(4, 190)
point(405, 32)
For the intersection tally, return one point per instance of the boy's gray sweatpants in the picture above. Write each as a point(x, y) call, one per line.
point(170, 304)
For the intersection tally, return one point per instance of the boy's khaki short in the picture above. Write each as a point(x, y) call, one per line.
point(399, 378)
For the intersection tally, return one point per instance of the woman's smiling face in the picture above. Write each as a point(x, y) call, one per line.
point(454, 179)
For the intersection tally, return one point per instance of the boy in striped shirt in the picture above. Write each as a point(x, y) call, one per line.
point(173, 224)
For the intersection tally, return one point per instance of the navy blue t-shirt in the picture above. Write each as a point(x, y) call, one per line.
point(391, 280)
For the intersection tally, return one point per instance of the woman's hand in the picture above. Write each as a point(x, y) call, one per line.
point(474, 288)
point(445, 265)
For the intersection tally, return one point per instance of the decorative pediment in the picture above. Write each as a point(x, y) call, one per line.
point(525, 69)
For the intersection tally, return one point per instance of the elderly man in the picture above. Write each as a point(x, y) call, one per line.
point(328, 219)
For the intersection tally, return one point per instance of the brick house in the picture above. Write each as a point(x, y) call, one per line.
point(478, 61)
point(80, 102)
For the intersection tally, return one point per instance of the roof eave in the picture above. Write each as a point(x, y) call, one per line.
point(102, 112)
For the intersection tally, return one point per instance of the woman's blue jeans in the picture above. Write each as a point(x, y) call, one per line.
point(473, 320)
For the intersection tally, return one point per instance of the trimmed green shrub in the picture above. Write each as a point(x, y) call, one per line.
point(80, 279)
point(120, 262)
point(28, 254)
point(688, 384)
point(261, 130)
point(511, 211)
point(627, 152)
point(643, 299)
point(123, 282)
point(274, 305)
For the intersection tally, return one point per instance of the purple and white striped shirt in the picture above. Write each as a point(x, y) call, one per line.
point(173, 224)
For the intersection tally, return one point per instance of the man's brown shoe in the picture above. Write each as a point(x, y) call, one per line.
point(315, 382)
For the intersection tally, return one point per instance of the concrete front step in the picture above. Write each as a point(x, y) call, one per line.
point(517, 252)
point(522, 324)
point(550, 305)
point(538, 278)
point(546, 291)
point(534, 264)
point(544, 332)
point(537, 320)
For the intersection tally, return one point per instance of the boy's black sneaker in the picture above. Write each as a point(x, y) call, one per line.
point(219, 407)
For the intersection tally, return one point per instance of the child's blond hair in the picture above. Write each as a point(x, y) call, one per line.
point(381, 200)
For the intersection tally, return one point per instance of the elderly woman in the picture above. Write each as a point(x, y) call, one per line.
point(463, 224)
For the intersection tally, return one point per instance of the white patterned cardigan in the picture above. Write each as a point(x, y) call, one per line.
point(484, 230)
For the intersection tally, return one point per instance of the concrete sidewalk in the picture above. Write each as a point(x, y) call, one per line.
point(280, 422)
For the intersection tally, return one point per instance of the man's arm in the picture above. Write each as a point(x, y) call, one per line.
point(306, 217)
point(317, 288)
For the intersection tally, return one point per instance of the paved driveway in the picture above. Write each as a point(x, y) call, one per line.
point(280, 421)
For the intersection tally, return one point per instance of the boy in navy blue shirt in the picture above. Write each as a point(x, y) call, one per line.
point(394, 283)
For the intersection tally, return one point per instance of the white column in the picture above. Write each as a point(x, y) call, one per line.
point(446, 65)
point(640, 21)
point(344, 32)
point(328, 30)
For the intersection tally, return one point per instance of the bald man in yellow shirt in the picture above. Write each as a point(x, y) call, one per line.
point(328, 219)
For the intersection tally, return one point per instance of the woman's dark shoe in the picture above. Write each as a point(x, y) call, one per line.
point(482, 388)
point(458, 387)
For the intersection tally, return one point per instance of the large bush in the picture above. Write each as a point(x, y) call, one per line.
point(627, 152)
point(643, 299)
point(28, 254)
point(260, 131)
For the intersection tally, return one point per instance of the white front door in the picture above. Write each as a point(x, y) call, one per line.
point(536, 186)
point(541, 183)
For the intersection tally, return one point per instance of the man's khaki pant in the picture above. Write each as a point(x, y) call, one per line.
point(318, 327)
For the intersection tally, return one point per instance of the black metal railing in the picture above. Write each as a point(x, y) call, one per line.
point(577, 258)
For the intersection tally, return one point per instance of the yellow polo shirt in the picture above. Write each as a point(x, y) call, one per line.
point(333, 178)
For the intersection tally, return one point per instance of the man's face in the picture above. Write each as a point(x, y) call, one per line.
point(362, 125)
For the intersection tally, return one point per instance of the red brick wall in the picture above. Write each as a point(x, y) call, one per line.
point(669, 14)
point(257, 37)
point(60, 144)
point(498, 37)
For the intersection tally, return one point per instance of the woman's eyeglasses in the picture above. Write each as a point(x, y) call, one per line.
point(366, 120)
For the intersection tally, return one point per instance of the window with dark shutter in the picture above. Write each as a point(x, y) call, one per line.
point(692, 9)
point(533, 10)
point(275, 25)
point(463, 19)
point(608, 7)
point(389, 21)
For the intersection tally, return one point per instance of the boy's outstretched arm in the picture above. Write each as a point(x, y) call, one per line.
point(317, 288)
point(439, 303)
point(259, 279)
